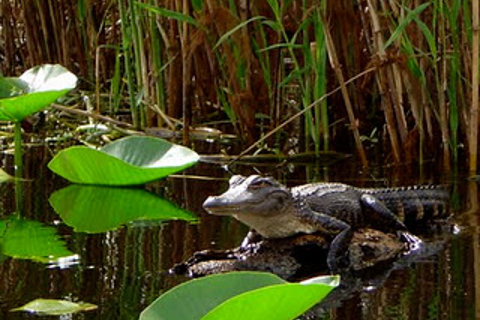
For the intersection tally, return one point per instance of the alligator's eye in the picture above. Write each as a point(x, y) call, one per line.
point(236, 180)
point(259, 184)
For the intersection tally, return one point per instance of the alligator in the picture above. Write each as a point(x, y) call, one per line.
point(334, 210)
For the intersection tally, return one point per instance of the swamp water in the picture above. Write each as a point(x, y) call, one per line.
point(123, 266)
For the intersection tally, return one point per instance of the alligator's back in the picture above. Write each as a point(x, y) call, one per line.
point(416, 203)
point(413, 205)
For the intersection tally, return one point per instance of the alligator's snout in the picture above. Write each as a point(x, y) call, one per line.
point(215, 205)
point(210, 202)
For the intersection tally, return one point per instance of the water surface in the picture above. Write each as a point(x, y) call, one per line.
point(125, 269)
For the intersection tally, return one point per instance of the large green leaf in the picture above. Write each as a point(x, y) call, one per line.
point(238, 295)
point(128, 161)
point(281, 302)
point(39, 86)
point(55, 307)
point(11, 87)
point(29, 239)
point(195, 298)
point(94, 209)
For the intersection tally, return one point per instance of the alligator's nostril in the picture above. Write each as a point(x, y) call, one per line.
point(211, 202)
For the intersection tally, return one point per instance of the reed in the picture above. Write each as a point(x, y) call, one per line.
point(256, 66)
point(473, 124)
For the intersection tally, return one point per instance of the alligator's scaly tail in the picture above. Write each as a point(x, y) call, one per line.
point(416, 203)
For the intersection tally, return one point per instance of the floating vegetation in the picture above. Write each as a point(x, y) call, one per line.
point(129, 161)
point(240, 295)
point(53, 307)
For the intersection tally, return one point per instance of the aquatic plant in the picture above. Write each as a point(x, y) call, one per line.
point(131, 160)
point(32, 92)
point(248, 69)
point(240, 295)
point(55, 307)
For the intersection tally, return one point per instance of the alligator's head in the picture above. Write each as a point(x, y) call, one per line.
point(253, 195)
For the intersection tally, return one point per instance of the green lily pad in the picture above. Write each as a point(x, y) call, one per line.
point(128, 161)
point(95, 209)
point(237, 295)
point(55, 307)
point(29, 239)
point(283, 301)
point(33, 91)
point(11, 87)
point(195, 298)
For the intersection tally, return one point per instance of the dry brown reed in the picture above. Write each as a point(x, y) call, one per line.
point(473, 125)
point(235, 64)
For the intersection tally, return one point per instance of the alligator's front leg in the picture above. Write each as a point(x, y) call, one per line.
point(378, 216)
point(251, 237)
point(339, 248)
point(329, 226)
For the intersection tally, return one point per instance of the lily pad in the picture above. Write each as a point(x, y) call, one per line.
point(238, 295)
point(282, 302)
point(95, 209)
point(195, 298)
point(29, 239)
point(55, 307)
point(33, 91)
point(11, 87)
point(128, 161)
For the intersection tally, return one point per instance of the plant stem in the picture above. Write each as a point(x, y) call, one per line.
point(475, 95)
point(18, 149)
point(127, 40)
point(18, 166)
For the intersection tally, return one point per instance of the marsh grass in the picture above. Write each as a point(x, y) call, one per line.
point(257, 66)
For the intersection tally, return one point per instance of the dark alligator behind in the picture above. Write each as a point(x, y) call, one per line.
point(333, 210)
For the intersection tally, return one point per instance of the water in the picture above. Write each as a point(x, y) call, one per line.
point(123, 270)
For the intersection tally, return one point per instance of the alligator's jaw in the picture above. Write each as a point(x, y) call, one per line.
point(215, 206)
point(269, 224)
point(281, 225)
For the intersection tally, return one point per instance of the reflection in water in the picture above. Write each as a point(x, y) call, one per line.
point(29, 239)
point(97, 209)
point(124, 270)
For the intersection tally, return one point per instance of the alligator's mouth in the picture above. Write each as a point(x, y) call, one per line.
point(221, 205)
point(215, 206)
point(223, 210)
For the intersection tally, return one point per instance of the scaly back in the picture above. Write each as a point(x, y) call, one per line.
point(415, 203)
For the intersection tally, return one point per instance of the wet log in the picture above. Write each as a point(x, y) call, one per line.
point(295, 257)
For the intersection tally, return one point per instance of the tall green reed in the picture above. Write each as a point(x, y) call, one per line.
point(128, 61)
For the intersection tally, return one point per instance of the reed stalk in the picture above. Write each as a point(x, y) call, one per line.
point(116, 83)
point(335, 64)
point(440, 71)
point(425, 55)
point(319, 52)
point(126, 44)
point(157, 63)
point(381, 80)
point(473, 125)
point(456, 91)
point(186, 75)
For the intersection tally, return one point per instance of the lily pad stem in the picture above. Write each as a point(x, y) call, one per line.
point(18, 166)
point(18, 149)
